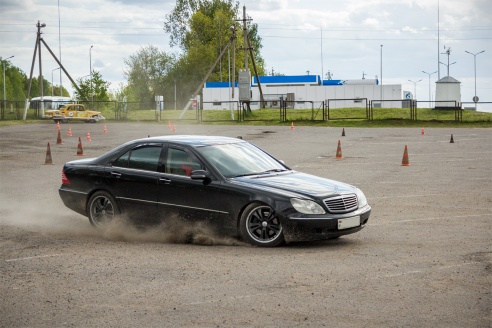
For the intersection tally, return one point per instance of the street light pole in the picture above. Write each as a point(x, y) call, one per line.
point(90, 71)
point(381, 86)
point(430, 99)
point(475, 98)
point(4, 83)
point(52, 80)
point(415, 87)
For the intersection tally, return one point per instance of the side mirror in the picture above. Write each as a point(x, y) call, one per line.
point(201, 175)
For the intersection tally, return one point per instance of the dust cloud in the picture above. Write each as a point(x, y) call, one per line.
point(53, 218)
point(171, 230)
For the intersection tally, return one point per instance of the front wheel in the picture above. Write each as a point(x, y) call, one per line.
point(260, 226)
point(102, 208)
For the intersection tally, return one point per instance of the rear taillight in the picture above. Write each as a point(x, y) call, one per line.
point(65, 180)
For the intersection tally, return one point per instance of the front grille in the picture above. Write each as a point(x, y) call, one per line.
point(342, 203)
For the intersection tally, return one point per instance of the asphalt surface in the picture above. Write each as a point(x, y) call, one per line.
point(424, 260)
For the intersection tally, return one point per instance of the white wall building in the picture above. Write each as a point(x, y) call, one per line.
point(305, 91)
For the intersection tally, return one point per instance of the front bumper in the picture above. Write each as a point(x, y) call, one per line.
point(301, 227)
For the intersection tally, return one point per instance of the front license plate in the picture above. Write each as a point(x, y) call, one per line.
point(348, 222)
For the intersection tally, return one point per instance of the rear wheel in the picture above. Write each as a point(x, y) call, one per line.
point(261, 226)
point(102, 208)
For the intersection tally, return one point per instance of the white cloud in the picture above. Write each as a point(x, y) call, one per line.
point(295, 33)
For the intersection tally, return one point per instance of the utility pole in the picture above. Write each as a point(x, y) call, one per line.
point(245, 36)
point(37, 47)
point(41, 91)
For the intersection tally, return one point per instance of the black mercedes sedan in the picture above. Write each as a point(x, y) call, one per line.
point(226, 183)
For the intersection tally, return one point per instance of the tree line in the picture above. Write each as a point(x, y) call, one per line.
point(200, 29)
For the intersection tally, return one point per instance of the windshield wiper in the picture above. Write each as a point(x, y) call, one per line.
point(273, 170)
point(260, 173)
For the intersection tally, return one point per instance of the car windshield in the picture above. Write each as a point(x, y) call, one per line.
point(240, 159)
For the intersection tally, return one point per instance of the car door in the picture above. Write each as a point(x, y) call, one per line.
point(185, 198)
point(133, 178)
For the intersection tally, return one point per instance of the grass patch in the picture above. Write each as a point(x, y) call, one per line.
point(346, 117)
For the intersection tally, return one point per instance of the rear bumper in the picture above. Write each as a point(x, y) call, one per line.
point(74, 200)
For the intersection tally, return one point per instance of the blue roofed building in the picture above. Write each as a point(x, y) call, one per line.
point(303, 91)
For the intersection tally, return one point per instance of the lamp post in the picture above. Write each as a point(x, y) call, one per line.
point(90, 73)
point(381, 71)
point(52, 80)
point(415, 87)
point(430, 99)
point(475, 98)
point(4, 83)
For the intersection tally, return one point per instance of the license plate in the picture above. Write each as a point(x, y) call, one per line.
point(348, 222)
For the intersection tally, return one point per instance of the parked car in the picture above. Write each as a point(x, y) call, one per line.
point(73, 112)
point(228, 183)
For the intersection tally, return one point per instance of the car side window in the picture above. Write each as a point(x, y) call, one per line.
point(141, 158)
point(181, 162)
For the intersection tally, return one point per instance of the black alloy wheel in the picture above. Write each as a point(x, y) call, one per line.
point(102, 208)
point(260, 226)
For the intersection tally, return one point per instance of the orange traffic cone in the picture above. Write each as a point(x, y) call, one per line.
point(452, 140)
point(59, 139)
point(105, 130)
point(80, 151)
point(339, 150)
point(292, 126)
point(343, 132)
point(422, 131)
point(69, 133)
point(405, 161)
point(48, 159)
point(174, 127)
point(88, 136)
point(58, 126)
point(169, 125)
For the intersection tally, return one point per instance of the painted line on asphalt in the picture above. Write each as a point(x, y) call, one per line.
point(33, 257)
point(401, 274)
point(432, 219)
point(404, 196)
point(229, 298)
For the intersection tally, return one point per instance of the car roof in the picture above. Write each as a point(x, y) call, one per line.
point(193, 140)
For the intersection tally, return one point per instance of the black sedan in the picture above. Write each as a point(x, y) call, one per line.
point(227, 183)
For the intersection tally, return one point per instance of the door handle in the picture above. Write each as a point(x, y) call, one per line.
point(116, 174)
point(165, 180)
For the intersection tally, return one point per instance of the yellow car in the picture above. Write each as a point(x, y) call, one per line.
point(76, 112)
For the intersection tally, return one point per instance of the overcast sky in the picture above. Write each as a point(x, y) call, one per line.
point(342, 37)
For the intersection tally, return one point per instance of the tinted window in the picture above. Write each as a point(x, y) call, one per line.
point(142, 158)
point(181, 162)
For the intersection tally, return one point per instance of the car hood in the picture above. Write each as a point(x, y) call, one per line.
point(300, 183)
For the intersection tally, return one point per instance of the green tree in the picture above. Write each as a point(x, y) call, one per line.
point(94, 89)
point(202, 29)
point(55, 91)
point(36, 89)
point(149, 74)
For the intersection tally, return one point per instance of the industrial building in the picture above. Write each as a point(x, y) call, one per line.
point(305, 91)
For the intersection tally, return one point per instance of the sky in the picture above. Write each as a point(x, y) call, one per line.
point(349, 39)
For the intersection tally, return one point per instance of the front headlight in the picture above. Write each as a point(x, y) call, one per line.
point(306, 206)
point(361, 197)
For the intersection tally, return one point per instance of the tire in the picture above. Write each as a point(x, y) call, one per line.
point(260, 226)
point(101, 208)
